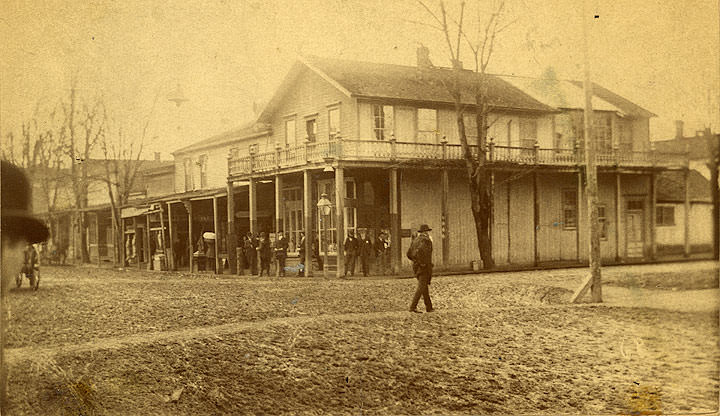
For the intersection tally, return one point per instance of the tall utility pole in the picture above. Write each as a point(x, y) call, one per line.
point(591, 185)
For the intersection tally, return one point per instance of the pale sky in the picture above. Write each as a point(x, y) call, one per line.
point(663, 55)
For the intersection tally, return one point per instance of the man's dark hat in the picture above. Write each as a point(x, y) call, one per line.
point(424, 228)
point(16, 206)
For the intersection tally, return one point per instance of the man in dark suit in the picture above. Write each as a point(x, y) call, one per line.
point(281, 246)
point(351, 252)
point(366, 253)
point(420, 253)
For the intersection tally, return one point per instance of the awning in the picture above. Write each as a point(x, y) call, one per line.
point(129, 212)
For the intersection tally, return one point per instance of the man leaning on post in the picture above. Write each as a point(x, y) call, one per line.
point(420, 253)
point(19, 228)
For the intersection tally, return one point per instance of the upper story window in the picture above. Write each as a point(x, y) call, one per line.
point(187, 167)
point(383, 121)
point(665, 215)
point(602, 131)
point(426, 125)
point(528, 132)
point(203, 164)
point(625, 138)
point(311, 129)
point(333, 122)
point(290, 132)
point(471, 132)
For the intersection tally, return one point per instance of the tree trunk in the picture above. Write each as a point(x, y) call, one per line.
point(85, 253)
point(481, 209)
point(715, 208)
point(479, 187)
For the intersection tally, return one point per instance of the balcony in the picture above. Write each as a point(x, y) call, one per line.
point(440, 154)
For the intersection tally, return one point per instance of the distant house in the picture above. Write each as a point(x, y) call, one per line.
point(670, 213)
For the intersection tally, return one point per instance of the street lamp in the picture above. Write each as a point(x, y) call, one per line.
point(324, 206)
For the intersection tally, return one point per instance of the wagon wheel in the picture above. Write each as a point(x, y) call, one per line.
point(19, 279)
point(35, 280)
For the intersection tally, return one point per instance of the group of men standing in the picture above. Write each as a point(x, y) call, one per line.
point(367, 251)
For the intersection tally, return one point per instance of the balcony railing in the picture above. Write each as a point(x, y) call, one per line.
point(392, 150)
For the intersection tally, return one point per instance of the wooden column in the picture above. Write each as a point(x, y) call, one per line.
point(536, 219)
point(231, 235)
point(97, 237)
point(278, 203)
point(444, 223)
point(278, 215)
point(171, 236)
point(218, 264)
point(252, 199)
point(147, 242)
point(114, 236)
point(653, 208)
point(163, 242)
point(509, 218)
point(191, 243)
point(307, 220)
point(135, 243)
point(578, 216)
point(395, 236)
point(687, 212)
point(618, 215)
point(340, 218)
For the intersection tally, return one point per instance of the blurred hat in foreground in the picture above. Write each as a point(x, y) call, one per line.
point(16, 206)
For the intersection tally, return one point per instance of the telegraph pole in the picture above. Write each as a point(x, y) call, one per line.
point(591, 185)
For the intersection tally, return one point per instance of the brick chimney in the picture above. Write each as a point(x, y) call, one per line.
point(157, 156)
point(423, 57)
point(679, 129)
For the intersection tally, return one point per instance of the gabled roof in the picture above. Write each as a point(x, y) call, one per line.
point(698, 147)
point(399, 82)
point(671, 187)
point(560, 93)
point(247, 130)
point(627, 107)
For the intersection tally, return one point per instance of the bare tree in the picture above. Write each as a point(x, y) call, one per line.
point(481, 45)
point(122, 166)
point(81, 129)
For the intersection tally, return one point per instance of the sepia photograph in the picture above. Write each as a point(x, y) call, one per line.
point(360, 207)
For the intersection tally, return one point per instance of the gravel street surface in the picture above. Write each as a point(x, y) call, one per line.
point(102, 341)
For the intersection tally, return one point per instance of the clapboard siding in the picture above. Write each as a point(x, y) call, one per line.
point(500, 222)
point(521, 221)
point(461, 225)
point(420, 193)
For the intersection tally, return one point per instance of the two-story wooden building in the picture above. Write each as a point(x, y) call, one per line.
point(381, 141)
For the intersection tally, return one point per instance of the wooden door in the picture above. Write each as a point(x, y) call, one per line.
point(634, 235)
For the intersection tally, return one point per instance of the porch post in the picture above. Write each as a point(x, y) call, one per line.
point(536, 216)
point(218, 264)
point(340, 216)
point(252, 196)
point(278, 214)
point(687, 212)
point(618, 215)
point(171, 236)
point(444, 222)
point(395, 237)
point(147, 242)
point(162, 234)
point(135, 243)
point(307, 226)
point(653, 199)
point(578, 216)
point(191, 243)
point(231, 236)
point(114, 236)
point(97, 237)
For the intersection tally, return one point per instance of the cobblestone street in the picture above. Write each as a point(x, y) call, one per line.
point(102, 341)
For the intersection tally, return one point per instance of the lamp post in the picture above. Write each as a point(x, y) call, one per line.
point(324, 206)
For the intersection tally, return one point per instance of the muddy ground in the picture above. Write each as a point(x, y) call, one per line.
point(127, 342)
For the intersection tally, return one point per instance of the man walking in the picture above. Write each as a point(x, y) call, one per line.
point(420, 253)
